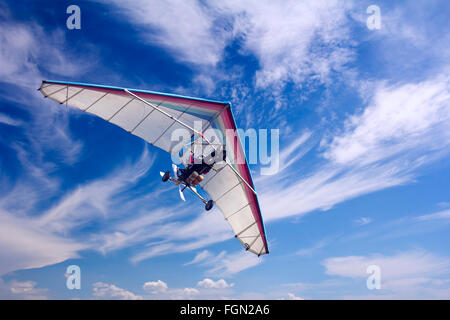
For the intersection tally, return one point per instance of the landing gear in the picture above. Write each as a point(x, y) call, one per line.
point(209, 205)
point(166, 176)
point(189, 182)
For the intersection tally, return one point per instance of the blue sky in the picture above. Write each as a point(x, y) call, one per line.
point(364, 119)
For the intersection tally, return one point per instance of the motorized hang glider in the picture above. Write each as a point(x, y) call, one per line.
point(153, 117)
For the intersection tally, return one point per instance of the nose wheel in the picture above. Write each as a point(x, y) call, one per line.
point(209, 205)
point(166, 176)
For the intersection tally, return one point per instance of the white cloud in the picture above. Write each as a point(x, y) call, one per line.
point(22, 290)
point(309, 251)
point(226, 264)
point(22, 287)
point(24, 245)
point(289, 155)
point(358, 159)
point(135, 230)
point(18, 47)
point(24, 62)
point(407, 275)
point(441, 215)
point(416, 121)
point(443, 204)
point(399, 119)
point(295, 150)
point(200, 257)
point(155, 287)
point(48, 131)
point(292, 296)
point(403, 265)
point(328, 185)
point(24, 56)
point(185, 293)
point(324, 188)
point(5, 119)
point(211, 284)
point(292, 40)
point(94, 199)
point(103, 290)
point(208, 228)
point(194, 38)
point(230, 264)
point(35, 239)
point(363, 221)
point(160, 290)
point(404, 128)
point(408, 40)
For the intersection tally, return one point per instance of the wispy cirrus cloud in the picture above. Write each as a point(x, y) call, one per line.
point(293, 41)
point(202, 256)
point(404, 128)
point(36, 239)
point(25, 245)
point(228, 264)
point(387, 161)
point(5, 119)
point(187, 29)
point(412, 117)
point(401, 265)
point(383, 230)
point(187, 235)
point(413, 274)
point(292, 296)
point(24, 57)
point(407, 275)
point(95, 199)
point(316, 247)
point(441, 215)
point(363, 221)
point(42, 127)
point(330, 184)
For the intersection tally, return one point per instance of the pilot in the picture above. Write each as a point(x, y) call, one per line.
point(193, 173)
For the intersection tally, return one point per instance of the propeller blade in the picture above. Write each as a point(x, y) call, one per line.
point(175, 169)
point(181, 194)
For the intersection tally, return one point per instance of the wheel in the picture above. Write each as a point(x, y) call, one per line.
point(166, 176)
point(209, 205)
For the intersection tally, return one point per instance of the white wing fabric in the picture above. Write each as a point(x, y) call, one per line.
point(153, 117)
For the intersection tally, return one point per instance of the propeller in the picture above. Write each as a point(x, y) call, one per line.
point(181, 193)
point(175, 172)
